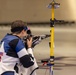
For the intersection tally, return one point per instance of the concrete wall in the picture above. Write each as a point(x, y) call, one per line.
point(35, 10)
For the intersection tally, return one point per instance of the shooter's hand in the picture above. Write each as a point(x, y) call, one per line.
point(29, 42)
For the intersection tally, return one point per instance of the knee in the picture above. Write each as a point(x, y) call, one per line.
point(8, 73)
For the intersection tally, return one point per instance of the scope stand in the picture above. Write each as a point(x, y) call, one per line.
point(50, 62)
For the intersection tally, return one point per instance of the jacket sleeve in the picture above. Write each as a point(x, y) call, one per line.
point(23, 55)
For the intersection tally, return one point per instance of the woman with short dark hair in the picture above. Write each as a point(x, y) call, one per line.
point(14, 51)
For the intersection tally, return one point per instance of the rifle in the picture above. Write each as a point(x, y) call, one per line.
point(36, 38)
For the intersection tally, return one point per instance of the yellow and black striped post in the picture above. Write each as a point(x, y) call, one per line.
point(52, 5)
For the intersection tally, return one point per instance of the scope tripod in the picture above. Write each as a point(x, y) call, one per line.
point(53, 5)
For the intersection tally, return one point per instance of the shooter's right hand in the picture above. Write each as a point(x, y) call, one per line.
point(29, 42)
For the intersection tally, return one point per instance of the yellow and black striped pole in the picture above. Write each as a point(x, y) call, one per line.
point(52, 5)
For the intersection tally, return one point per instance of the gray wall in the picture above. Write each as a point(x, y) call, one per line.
point(35, 10)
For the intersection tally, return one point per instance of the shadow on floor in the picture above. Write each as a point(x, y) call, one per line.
point(58, 65)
